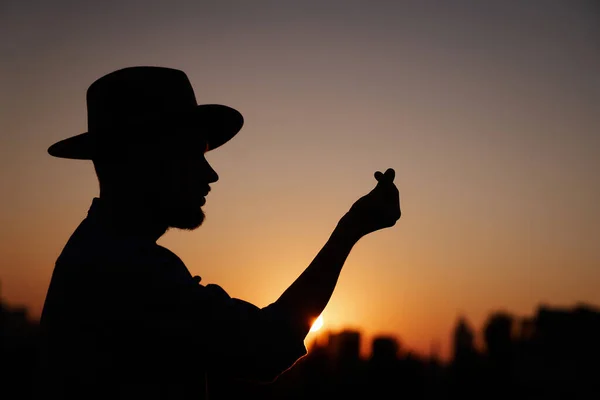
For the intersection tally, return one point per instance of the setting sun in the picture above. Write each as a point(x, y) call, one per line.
point(317, 324)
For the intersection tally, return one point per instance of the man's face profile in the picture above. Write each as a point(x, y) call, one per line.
point(182, 191)
point(171, 189)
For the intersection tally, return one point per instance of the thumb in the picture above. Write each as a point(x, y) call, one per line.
point(390, 174)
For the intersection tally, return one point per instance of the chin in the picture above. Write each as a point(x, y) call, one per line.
point(189, 219)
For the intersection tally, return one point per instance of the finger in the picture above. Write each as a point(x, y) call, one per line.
point(378, 176)
point(390, 174)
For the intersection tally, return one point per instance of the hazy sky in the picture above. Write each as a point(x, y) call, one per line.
point(488, 110)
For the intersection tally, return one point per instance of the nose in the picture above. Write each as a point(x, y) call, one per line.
point(211, 174)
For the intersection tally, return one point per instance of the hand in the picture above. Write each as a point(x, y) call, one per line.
point(378, 209)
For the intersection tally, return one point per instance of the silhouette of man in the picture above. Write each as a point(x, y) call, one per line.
point(123, 317)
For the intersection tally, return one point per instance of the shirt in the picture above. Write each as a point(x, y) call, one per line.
point(123, 317)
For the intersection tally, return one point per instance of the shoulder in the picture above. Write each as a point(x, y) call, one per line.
point(91, 253)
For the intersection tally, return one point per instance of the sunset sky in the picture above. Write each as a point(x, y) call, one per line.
point(489, 111)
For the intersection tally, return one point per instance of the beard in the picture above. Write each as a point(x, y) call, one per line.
point(188, 217)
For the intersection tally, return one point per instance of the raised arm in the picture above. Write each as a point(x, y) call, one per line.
point(259, 344)
point(307, 297)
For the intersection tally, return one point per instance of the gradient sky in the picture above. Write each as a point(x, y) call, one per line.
point(489, 111)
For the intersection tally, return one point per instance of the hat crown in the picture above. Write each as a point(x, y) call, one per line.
point(132, 94)
point(151, 111)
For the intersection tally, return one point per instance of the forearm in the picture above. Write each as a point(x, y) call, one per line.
point(307, 297)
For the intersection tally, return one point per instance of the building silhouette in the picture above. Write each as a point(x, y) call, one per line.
point(385, 350)
point(344, 348)
point(558, 351)
point(19, 338)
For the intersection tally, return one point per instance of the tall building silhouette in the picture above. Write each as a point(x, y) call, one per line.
point(384, 349)
point(560, 347)
point(464, 341)
point(18, 350)
point(344, 346)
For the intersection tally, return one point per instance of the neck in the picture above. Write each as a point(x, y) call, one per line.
point(132, 217)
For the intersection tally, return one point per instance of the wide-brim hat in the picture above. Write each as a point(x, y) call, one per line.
point(142, 109)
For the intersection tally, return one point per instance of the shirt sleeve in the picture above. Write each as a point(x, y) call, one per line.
point(246, 341)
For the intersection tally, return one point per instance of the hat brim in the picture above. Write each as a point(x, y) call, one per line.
point(215, 122)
